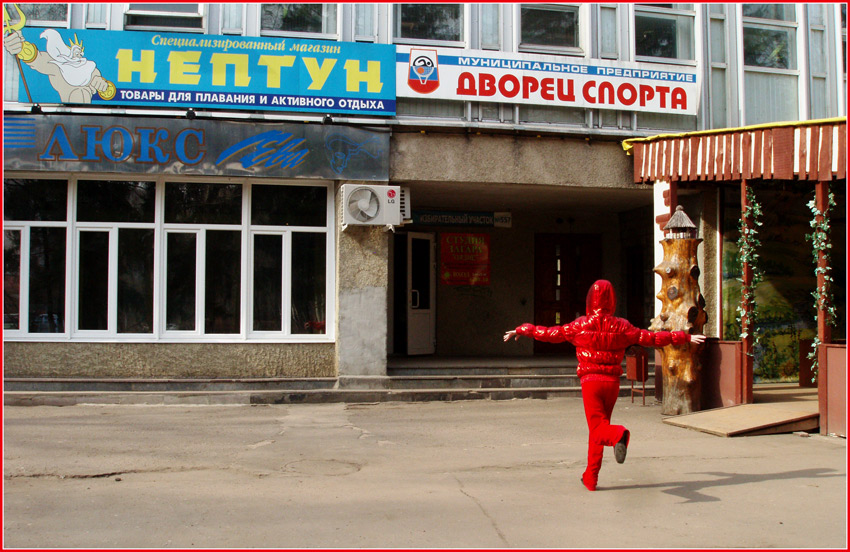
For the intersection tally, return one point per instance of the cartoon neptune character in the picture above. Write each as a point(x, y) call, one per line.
point(74, 77)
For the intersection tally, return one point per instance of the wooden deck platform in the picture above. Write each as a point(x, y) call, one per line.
point(777, 408)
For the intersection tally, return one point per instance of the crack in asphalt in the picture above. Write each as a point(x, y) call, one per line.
point(484, 511)
point(93, 475)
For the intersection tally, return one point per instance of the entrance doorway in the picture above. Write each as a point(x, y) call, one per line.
point(565, 266)
point(415, 296)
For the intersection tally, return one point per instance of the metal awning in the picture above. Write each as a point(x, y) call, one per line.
point(800, 150)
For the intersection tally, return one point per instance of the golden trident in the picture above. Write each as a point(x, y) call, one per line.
point(17, 27)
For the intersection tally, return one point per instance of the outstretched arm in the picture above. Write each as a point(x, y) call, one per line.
point(511, 334)
point(553, 334)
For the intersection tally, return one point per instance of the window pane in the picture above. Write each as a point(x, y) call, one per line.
point(189, 203)
point(169, 21)
point(289, 205)
point(817, 53)
point(551, 114)
point(96, 14)
point(111, 201)
point(718, 41)
point(93, 299)
point(490, 27)
point(11, 279)
point(664, 36)
point(268, 283)
point(364, 20)
point(47, 280)
point(308, 283)
point(779, 12)
point(167, 8)
point(608, 27)
point(35, 199)
point(231, 17)
point(303, 18)
point(549, 26)
point(180, 282)
point(718, 98)
point(43, 12)
point(429, 21)
point(819, 100)
point(135, 280)
point(769, 48)
point(165, 15)
point(223, 278)
point(770, 97)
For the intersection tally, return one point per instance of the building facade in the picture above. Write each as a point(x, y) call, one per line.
point(176, 176)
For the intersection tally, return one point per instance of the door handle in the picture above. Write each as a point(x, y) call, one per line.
point(414, 305)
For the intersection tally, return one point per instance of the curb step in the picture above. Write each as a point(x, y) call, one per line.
point(65, 398)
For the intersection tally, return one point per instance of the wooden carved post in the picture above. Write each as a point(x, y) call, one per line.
point(682, 309)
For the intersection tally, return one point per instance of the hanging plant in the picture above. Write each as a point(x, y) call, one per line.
point(748, 243)
point(823, 292)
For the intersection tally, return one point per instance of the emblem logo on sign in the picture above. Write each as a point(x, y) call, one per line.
point(423, 75)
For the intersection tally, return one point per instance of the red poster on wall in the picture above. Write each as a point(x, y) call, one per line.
point(465, 259)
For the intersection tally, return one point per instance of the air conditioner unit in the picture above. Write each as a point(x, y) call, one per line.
point(405, 208)
point(373, 205)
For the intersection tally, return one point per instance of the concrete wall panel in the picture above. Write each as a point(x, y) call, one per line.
point(509, 159)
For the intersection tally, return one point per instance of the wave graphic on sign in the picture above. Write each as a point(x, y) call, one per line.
point(19, 132)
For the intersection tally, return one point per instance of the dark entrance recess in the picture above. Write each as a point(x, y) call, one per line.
point(565, 265)
point(400, 294)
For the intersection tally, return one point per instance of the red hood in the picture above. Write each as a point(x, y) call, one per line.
point(601, 298)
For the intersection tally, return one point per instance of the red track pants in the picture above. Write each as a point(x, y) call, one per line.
point(599, 398)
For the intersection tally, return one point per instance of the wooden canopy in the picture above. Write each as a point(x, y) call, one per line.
point(812, 151)
point(802, 150)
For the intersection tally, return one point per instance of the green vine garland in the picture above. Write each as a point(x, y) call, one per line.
point(748, 243)
point(823, 293)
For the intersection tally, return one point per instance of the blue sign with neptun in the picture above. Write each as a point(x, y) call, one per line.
point(78, 66)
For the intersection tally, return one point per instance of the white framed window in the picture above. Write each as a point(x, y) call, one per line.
point(94, 259)
point(299, 20)
point(771, 79)
point(770, 36)
point(490, 26)
point(40, 15)
point(440, 24)
point(35, 228)
point(97, 15)
point(608, 31)
point(664, 32)
point(552, 28)
point(113, 257)
point(365, 22)
point(165, 17)
point(718, 59)
point(232, 18)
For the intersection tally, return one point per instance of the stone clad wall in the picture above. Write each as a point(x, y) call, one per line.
point(362, 280)
point(167, 360)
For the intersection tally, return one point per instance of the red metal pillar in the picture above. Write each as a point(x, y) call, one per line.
point(824, 331)
point(747, 345)
point(822, 204)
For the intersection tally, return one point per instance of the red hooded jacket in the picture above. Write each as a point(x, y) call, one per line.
point(600, 337)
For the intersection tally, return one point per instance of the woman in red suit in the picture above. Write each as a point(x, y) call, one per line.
point(601, 340)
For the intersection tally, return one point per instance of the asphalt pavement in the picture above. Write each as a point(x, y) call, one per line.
point(467, 474)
